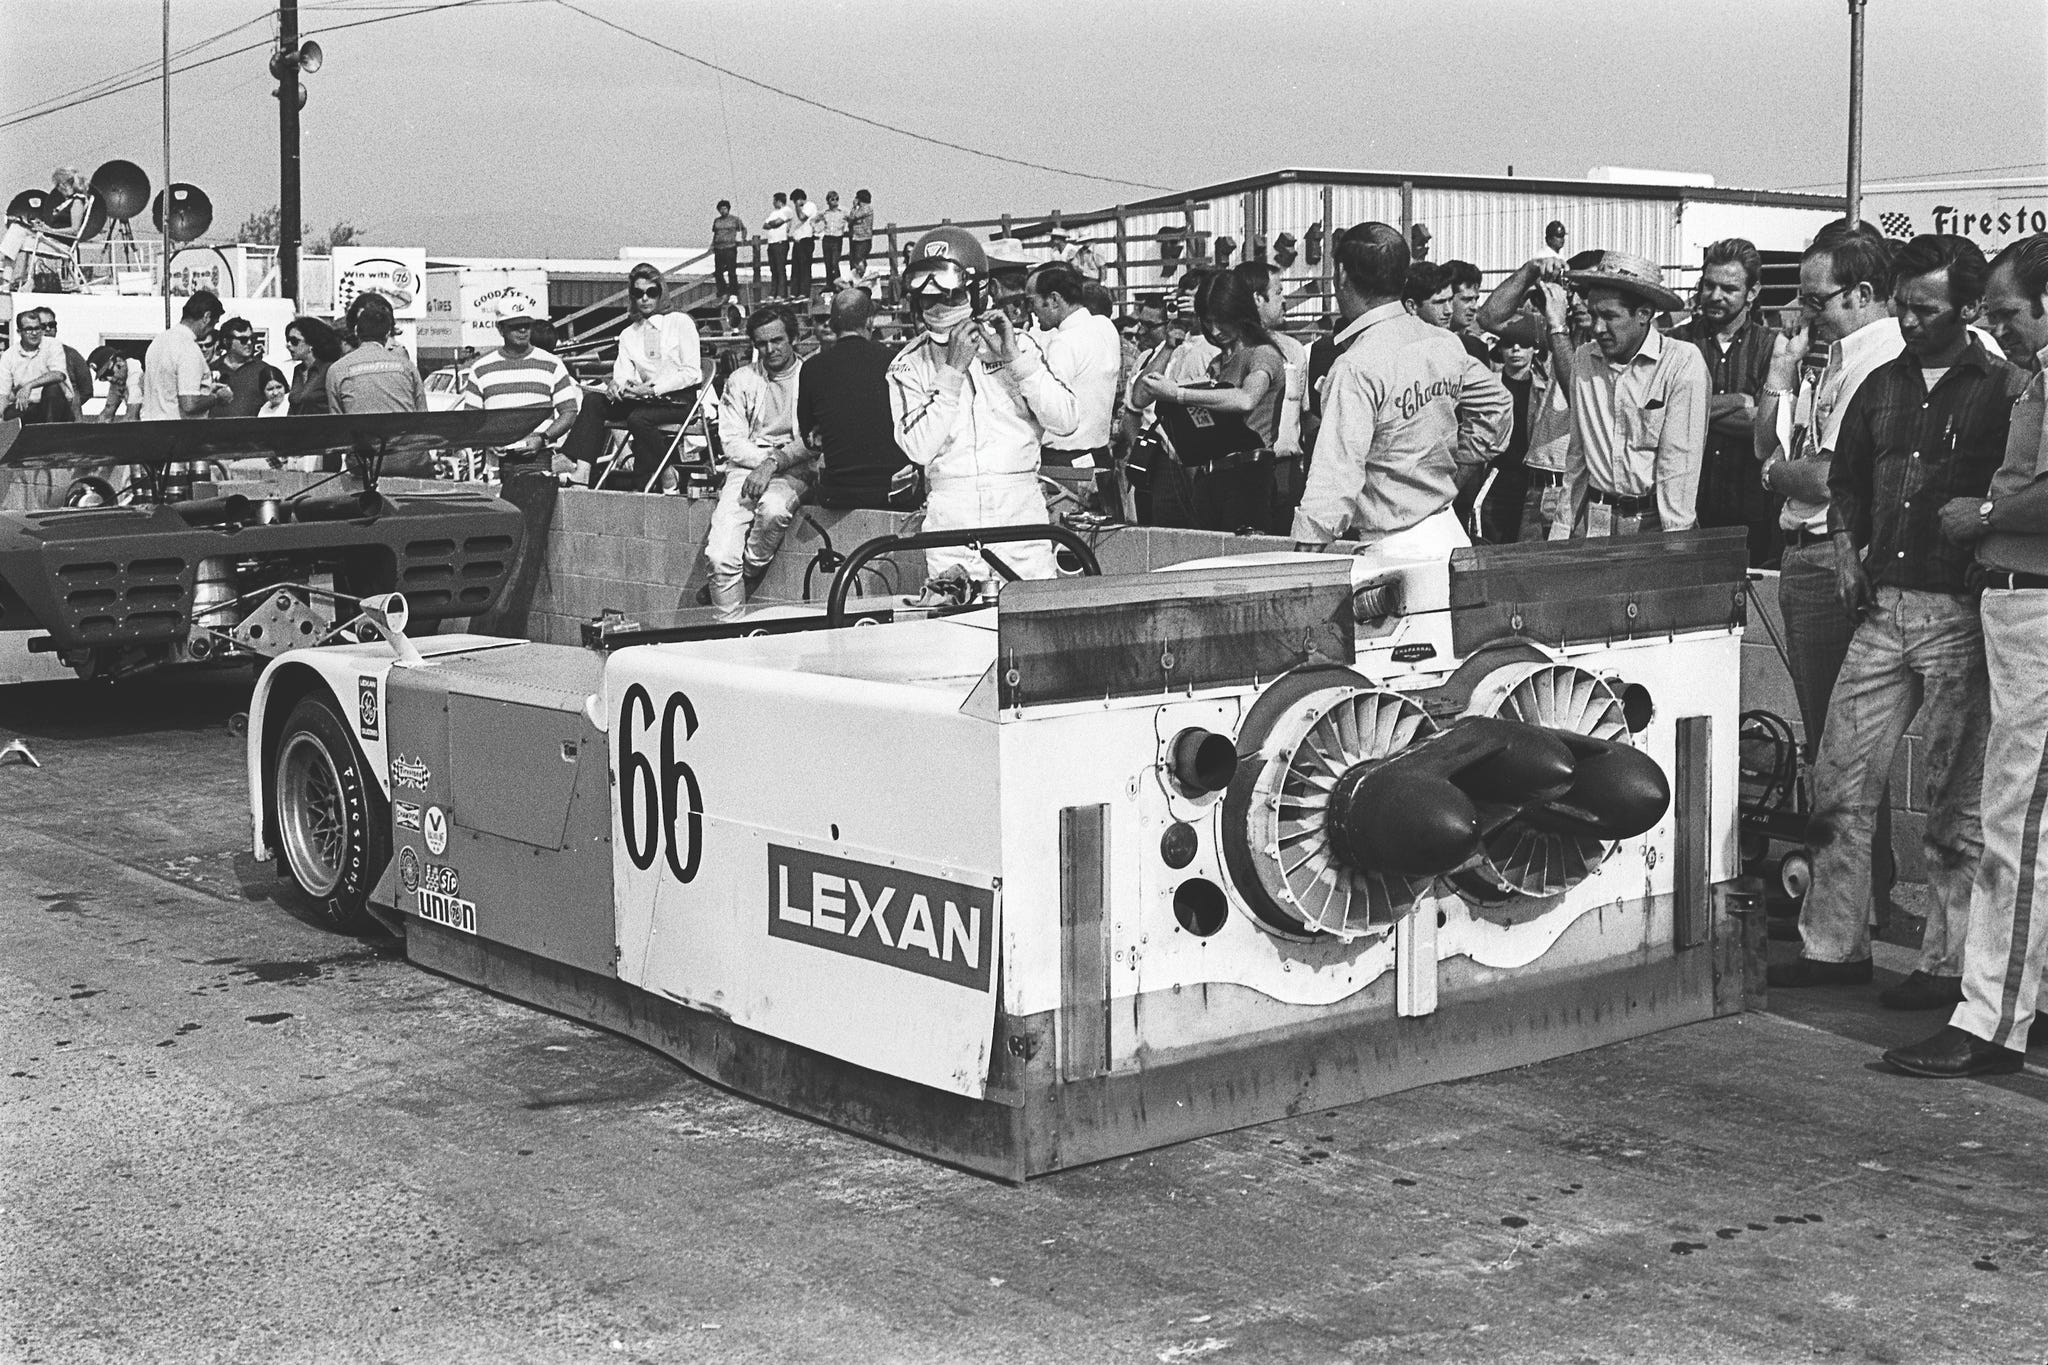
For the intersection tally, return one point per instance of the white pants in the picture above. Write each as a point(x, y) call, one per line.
point(990, 500)
point(1432, 539)
point(745, 535)
point(2007, 943)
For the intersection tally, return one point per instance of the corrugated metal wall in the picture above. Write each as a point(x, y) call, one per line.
point(1494, 229)
point(1498, 230)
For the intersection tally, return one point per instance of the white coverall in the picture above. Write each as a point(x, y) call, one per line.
point(977, 433)
point(756, 417)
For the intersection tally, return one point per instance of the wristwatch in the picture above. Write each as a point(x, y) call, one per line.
point(1984, 513)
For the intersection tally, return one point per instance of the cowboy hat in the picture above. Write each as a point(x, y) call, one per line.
point(1629, 274)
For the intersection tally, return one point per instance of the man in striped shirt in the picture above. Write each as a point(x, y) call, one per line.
point(521, 375)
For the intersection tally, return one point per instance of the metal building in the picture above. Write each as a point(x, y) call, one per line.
point(1496, 222)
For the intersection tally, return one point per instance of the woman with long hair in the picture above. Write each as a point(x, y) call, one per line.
point(1233, 489)
point(315, 346)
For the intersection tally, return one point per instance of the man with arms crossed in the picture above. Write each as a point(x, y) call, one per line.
point(2008, 936)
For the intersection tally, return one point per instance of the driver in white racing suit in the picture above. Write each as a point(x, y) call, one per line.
point(972, 399)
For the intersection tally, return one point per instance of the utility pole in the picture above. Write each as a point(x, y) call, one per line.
point(166, 77)
point(1853, 205)
point(288, 96)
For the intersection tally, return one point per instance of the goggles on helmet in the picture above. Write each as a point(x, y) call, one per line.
point(935, 277)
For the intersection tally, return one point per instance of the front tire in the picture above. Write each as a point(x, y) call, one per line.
point(333, 824)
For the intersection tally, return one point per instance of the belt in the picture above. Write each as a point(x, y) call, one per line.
point(1801, 538)
point(1099, 454)
point(2005, 578)
point(1546, 478)
point(1624, 507)
point(1237, 459)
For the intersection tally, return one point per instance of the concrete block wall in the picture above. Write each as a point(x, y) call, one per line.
point(636, 553)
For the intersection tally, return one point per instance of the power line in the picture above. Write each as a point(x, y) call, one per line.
point(137, 69)
point(846, 113)
point(1921, 175)
point(236, 52)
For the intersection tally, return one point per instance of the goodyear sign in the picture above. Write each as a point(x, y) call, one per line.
point(901, 919)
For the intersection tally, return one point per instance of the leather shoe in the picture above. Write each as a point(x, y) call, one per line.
point(1923, 991)
point(1806, 971)
point(1952, 1053)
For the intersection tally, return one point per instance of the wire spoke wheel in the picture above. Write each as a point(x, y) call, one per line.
point(333, 823)
point(312, 824)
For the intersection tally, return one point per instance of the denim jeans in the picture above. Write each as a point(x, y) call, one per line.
point(1818, 629)
point(1917, 659)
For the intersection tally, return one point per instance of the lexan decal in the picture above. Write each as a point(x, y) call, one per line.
point(917, 923)
point(366, 707)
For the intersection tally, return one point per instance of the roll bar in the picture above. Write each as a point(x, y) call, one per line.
point(976, 536)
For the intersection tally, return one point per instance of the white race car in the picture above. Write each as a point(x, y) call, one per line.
point(1112, 863)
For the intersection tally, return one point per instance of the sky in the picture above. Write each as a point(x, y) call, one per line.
point(522, 127)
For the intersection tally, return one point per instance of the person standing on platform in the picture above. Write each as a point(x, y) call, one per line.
point(832, 235)
point(803, 238)
point(775, 229)
point(1924, 429)
point(2006, 948)
point(727, 232)
point(860, 234)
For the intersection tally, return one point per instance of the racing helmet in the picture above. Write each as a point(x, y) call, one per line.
point(945, 259)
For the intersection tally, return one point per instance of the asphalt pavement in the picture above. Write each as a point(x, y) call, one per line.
point(228, 1134)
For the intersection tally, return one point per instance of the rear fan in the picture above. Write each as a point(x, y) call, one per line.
point(1521, 858)
point(1310, 747)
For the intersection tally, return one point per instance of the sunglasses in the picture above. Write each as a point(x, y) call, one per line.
point(646, 292)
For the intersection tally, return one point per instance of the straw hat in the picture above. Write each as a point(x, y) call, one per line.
point(1630, 275)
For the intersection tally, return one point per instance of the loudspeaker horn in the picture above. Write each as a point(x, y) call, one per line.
point(191, 212)
point(123, 187)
